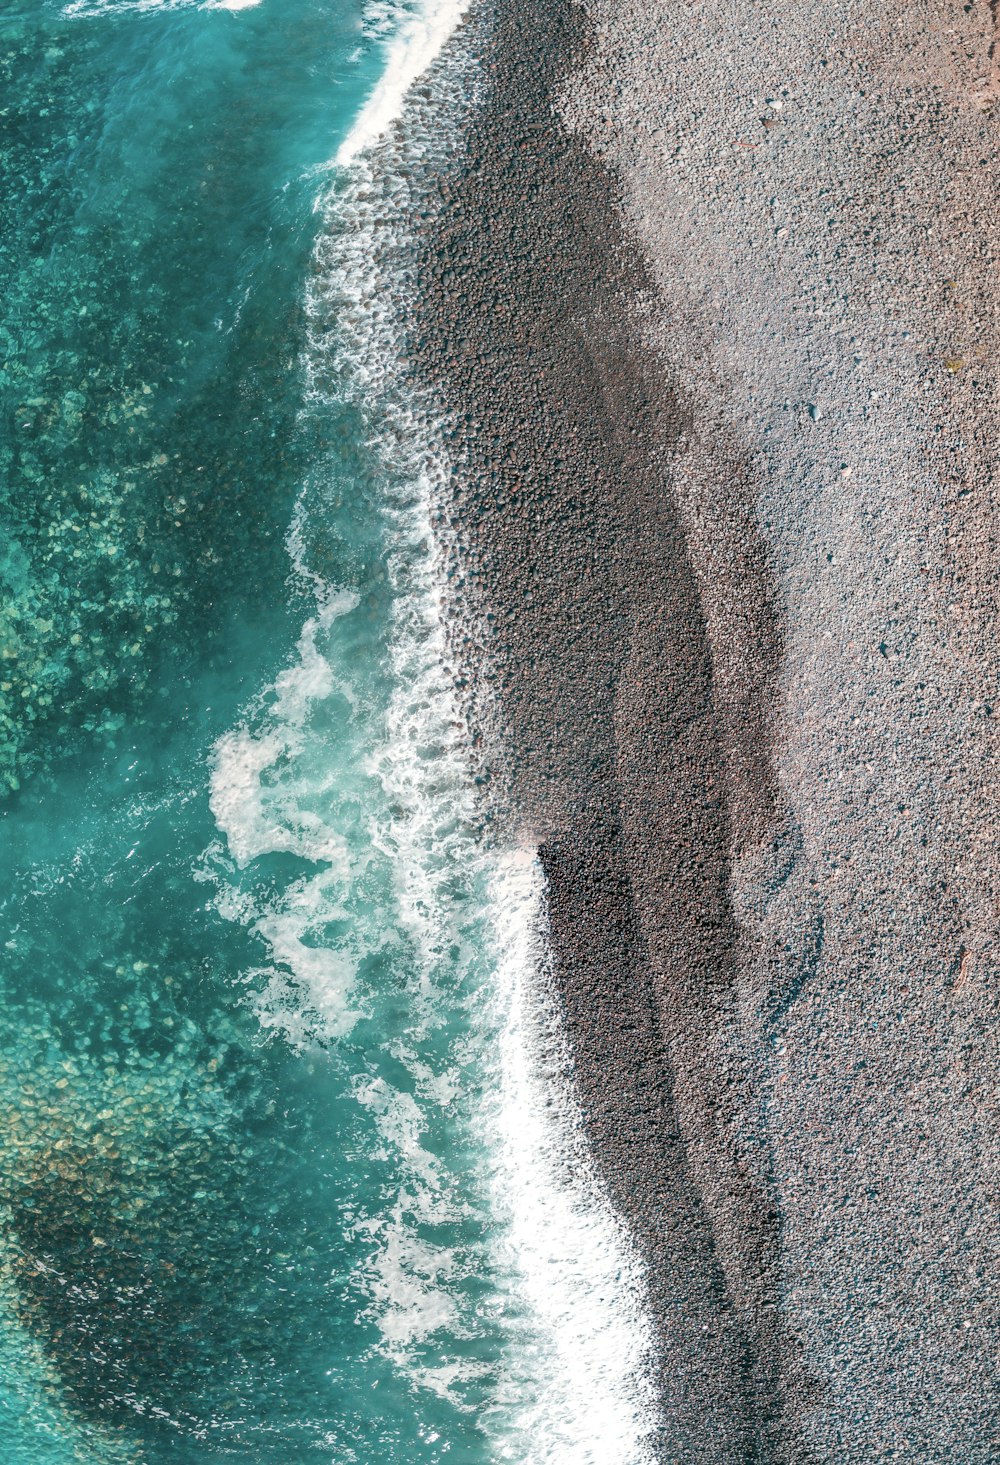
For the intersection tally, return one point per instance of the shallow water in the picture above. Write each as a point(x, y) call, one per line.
point(291, 1168)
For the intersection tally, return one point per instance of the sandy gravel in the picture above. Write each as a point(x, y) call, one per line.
point(816, 191)
point(708, 297)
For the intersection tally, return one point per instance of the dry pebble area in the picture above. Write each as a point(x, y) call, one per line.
point(713, 307)
point(815, 190)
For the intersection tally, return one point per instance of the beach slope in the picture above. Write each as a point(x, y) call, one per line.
point(710, 307)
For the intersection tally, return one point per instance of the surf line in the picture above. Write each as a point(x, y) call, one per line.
point(586, 1393)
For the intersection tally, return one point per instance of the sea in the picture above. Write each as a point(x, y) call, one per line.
point(291, 1165)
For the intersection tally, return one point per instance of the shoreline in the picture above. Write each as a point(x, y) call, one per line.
point(579, 1379)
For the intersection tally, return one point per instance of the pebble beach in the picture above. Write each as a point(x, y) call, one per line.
point(711, 300)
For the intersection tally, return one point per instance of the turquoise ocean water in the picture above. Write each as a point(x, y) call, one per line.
point(289, 1163)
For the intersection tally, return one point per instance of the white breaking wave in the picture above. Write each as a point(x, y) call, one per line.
point(418, 40)
point(88, 9)
point(580, 1275)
